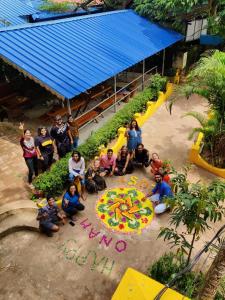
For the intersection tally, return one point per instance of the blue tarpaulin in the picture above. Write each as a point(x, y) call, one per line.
point(72, 55)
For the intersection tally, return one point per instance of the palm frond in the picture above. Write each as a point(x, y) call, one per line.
point(202, 119)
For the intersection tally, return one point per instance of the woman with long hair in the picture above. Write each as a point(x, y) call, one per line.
point(155, 163)
point(45, 148)
point(133, 135)
point(76, 166)
point(29, 152)
point(123, 162)
point(95, 177)
point(71, 201)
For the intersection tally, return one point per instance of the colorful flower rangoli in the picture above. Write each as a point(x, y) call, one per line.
point(126, 210)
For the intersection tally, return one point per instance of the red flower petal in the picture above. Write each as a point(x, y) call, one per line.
point(102, 216)
point(121, 226)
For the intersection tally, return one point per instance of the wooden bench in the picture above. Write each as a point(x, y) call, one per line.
point(107, 103)
point(64, 110)
point(8, 98)
point(100, 93)
point(91, 115)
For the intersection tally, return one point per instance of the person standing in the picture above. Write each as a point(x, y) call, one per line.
point(133, 135)
point(29, 153)
point(73, 126)
point(44, 147)
point(61, 134)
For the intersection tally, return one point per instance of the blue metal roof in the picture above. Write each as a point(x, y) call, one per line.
point(11, 12)
point(72, 55)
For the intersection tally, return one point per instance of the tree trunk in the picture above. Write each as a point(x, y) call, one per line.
point(213, 5)
point(214, 275)
point(190, 251)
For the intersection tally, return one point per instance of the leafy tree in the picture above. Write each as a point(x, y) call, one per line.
point(207, 79)
point(49, 5)
point(114, 4)
point(193, 207)
point(167, 11)
point(174, 12)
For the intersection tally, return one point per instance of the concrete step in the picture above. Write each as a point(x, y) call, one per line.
point(12, 208)
point(18, 220)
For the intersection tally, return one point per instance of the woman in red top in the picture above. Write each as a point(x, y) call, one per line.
point(29, 153)
point(155, 163)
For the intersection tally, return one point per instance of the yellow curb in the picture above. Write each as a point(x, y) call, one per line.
point(140, 118)
point(195, 157)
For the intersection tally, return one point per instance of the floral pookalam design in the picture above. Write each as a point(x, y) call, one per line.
point(126, 210)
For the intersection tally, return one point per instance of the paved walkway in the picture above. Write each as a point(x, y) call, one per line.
point(74, 264)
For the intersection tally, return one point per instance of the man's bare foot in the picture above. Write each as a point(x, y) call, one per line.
point(84, 198)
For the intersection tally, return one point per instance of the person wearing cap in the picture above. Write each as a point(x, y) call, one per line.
point(49, 217)
point(61, 134)
point(161, 191)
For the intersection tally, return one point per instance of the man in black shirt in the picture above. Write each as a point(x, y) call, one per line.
point(141, 156)
point(60, 132)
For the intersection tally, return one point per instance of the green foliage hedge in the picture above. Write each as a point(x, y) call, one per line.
point(168, 266)
point(53, 181)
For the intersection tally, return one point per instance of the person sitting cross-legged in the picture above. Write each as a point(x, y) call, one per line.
point(161, 190)
point(71, 201)
point(49, 217)
point(108, 162)
point(123, 162)
point(141, 156)
point(95, 177)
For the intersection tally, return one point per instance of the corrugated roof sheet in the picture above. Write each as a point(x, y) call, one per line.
point(12, 10)
point(72, 55)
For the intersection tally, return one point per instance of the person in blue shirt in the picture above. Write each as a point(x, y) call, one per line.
point(71, 201)
point(161, 190)
point(133, 135)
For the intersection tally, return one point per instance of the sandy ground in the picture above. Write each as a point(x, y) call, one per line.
point(74, 264)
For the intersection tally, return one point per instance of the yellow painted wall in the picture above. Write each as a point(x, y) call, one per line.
point(137, 286)
point(196, 158)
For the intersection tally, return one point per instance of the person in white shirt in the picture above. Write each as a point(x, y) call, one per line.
point(76, 170)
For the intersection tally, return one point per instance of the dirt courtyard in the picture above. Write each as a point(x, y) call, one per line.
point(87, 261)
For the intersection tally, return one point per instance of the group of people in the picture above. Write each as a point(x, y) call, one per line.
point(63, 138)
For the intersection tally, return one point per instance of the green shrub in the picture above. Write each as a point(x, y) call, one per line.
point(48, 5)
point(170, 264)
point(53, 181)
point(158, 83)
point(220, 295)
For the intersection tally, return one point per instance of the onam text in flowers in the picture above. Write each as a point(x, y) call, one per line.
point(119, 245)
